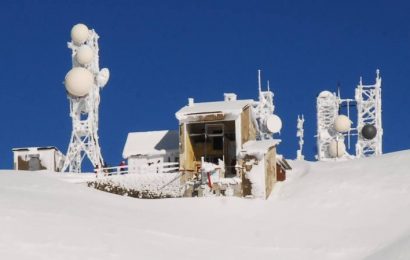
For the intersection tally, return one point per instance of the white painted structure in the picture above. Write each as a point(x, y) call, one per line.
point(332, 128)
point(369, 111)
point(83, 84)
point(38, 158)
point(268, 122)
point(327, 106)
point(300, 134)
point(148, 150)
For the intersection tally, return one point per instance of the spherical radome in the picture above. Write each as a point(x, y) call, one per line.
point(79, 33)
point(342, 123)
point(273, 124)
point(337, 148)
point(79, 81)
point(325, 93)
point(369, 132)
point(84, 54)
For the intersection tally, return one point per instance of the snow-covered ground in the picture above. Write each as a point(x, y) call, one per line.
point(350, 210)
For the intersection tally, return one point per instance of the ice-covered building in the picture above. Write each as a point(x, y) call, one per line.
point(221, 149)
point(38, 158)
point(152, 149)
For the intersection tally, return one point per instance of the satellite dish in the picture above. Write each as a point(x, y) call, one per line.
point(79, 81)
point(337, 148)
point(79, 33)
point(84, 54)
point(342, 123)
point(369, 132)
point(102, 77)
point(273, 124)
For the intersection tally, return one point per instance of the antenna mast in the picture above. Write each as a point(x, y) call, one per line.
point(84, 99)
point(369, 113)
point(300, 134)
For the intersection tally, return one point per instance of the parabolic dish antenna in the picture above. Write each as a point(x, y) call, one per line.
point(79, 33)
point(79, 81)
point(103, 77)
point(342, 124)
point(273, 124)
point(337, 148)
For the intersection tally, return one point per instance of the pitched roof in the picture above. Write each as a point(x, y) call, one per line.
point(225, 107)
point(151, 143)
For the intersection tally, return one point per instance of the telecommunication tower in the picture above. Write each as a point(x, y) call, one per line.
point(333, 128)
point(83, 83)
point(300, 134)
point(268, 122)
point(369, 118)
point(327, 107)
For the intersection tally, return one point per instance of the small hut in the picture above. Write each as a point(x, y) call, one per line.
point(38, 158)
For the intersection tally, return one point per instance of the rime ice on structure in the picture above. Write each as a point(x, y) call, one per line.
point(369, 129)
point(300, 134)
point(84, 109)
point(327, 106)
point(264, 113)
point(369, 112)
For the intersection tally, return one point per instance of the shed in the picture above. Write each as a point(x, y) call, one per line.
point(153, 147)
point(258, 163)
point(38, 158)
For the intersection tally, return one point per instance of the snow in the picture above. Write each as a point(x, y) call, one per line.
point(357, 209)
point(225, 107)
point(151, 143)
point(259, 148)
point(256, 176)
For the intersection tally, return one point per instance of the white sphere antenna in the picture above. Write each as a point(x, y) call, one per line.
point(79, 34)
point(273, 124)
point(79, 81)
point(337, 148)
point(342, 124)
point(85, 55)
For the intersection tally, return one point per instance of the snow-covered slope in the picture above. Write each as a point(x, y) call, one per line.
point(350, 210)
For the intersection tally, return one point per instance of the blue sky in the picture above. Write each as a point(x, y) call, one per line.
point(162, 52)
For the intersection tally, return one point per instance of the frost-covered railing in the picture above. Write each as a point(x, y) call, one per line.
point(149, 181)
point(108, 171)
point(165, 167)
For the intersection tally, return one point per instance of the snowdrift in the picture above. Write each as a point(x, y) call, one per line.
point(349, 210)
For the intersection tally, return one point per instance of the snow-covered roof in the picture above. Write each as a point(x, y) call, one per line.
point(225, 107)
point(151, 143)
point(258, 147)
point(35, 148)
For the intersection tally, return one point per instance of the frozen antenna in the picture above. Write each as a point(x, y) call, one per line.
point(268, 123)
point(300, 134)
point(83, 83)
point(369, 118)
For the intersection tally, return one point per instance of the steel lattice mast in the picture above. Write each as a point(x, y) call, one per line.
point(84, 140)
point(327, 107)
point(369, 112)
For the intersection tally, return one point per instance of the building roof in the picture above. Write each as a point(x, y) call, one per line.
point(262, 146)
point(151, 143)
point(35, 148)
point(283, 162)
point(225, 107)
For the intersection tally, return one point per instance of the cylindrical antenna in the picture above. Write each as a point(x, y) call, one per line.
point(259, 81)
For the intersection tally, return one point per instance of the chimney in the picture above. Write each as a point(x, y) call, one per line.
point(190, 102)
point(229, 97)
